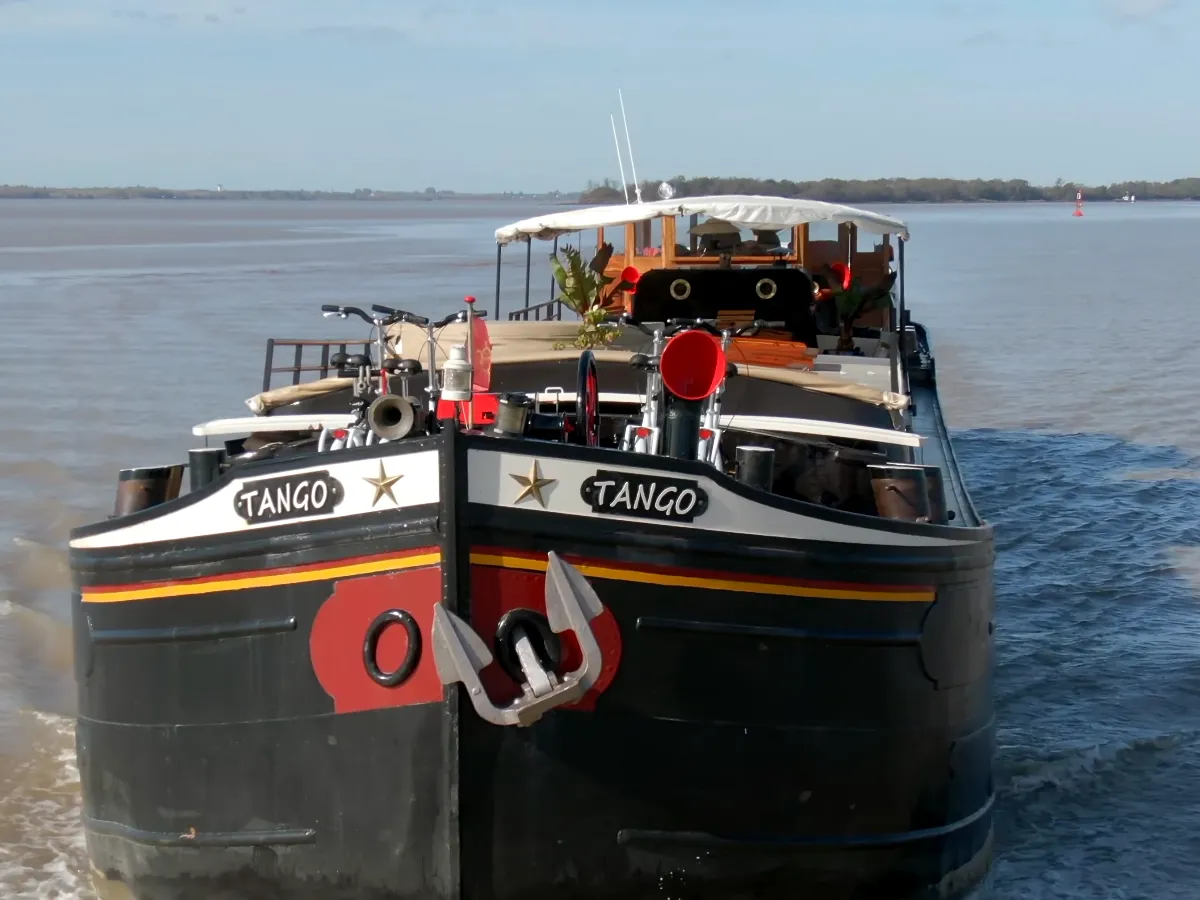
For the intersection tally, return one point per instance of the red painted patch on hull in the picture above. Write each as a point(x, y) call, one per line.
point(496, 591)
point(340, 630)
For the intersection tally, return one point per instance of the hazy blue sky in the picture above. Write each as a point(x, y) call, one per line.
point(483, 95)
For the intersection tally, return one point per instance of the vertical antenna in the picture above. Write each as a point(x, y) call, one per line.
point(637, 188)
point(624, 186)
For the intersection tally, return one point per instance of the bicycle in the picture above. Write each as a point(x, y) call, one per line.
point(646, 436)
point(433, 388)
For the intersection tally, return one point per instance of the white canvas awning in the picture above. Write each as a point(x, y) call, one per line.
point(761, 213)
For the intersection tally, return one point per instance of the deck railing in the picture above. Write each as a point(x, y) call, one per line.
point(552, 310)
point(298, 365)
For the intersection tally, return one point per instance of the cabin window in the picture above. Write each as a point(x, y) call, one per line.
point(714, 237)
point(685, 242)
point(615, 235)
point(654, 245)
point(822, 231)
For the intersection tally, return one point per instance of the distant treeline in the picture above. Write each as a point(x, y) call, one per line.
point(903, 190)
point(834, 190)
point(22, 192)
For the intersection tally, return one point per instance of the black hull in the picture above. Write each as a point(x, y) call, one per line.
point(778, 716)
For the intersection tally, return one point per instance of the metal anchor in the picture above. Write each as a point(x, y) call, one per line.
point(460, 654)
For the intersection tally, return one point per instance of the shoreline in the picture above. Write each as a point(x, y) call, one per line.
point(20, 192)
point(852, 193)
point(271, 196)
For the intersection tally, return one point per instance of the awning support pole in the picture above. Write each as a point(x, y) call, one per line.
point(554, 252)
point(528, 264)
point(499, 252)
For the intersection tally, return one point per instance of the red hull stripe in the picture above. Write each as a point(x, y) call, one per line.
point(708, 580)
point(670, 576)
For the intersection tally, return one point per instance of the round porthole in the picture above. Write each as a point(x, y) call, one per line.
point(412, 655)
point(680, 289)
point(765, 289)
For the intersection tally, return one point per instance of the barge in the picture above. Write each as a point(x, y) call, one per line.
point(682, 593)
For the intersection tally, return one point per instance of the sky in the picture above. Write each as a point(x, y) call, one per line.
point(479, 95)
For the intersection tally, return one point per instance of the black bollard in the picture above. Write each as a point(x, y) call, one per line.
point(681, 428)
point(204, 466)
point(512, 415)
point(755, 467)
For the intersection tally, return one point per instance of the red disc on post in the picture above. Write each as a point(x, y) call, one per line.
point(692, 365)
point(481, 362)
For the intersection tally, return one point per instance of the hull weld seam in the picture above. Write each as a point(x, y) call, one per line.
point(699, 839)
point(732, 629)
point(181, 633)
point(264, 838)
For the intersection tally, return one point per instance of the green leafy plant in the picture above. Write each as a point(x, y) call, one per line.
point(856, 301)
point(582, 288)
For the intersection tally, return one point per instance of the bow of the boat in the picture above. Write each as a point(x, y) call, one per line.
point(664, 674)
point(790, 696)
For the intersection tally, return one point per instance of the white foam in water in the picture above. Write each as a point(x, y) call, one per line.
point(42, 850)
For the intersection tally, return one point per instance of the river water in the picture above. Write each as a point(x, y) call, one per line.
point(1068, 358)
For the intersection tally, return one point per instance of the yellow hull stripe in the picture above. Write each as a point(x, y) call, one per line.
point(300, 576)
point(915, 595)
point(396, 564)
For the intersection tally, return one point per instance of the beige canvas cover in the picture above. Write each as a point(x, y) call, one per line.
point(526, 342)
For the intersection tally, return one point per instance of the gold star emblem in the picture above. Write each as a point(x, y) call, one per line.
point(532, 484)
point(383, 485)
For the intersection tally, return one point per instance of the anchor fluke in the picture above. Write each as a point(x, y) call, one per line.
point(456, 646)
point(571, 603)
point(460, 654)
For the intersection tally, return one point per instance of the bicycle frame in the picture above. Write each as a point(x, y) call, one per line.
point(646, 437)
point(709, 447)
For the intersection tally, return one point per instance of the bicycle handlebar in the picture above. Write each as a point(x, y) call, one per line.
point(684, 324)
point(330, 309)
point(672, 327)
point(400, 315)
point(756, 325)
point(633, 323)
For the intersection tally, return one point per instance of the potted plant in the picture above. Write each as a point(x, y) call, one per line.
point(852, 301)
point(582, 288)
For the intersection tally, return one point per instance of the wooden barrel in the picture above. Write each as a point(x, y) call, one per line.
point(935, 487)
point(139, 489)
point(901, 491)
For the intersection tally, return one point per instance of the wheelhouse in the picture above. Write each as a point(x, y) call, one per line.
point(732, 258)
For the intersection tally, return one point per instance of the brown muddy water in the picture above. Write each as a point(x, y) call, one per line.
point(1069, 358)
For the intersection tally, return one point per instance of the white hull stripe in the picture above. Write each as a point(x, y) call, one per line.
point(491, 483)
point(218, 513)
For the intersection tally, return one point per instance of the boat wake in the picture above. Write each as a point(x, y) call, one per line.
point(1098, 672)
point(42, 853)
point(1088, 768)
point(1096, 590)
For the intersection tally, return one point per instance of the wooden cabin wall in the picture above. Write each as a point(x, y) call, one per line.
point(870, 267)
